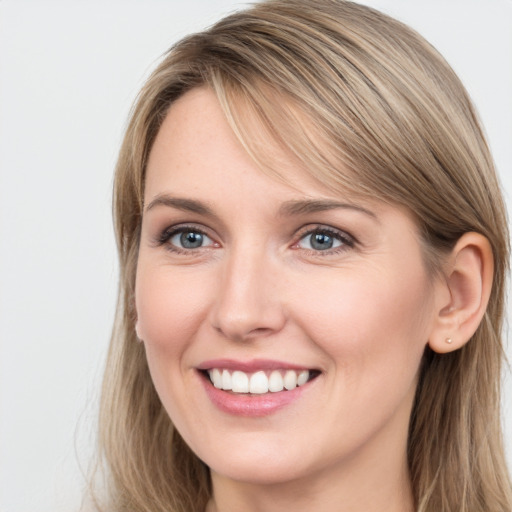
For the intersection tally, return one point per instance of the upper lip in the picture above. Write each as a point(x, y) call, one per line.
point(250, 366)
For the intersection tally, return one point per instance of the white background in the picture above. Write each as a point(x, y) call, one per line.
point(69, 71)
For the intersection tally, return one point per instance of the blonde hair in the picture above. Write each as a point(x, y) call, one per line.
point(367, 106)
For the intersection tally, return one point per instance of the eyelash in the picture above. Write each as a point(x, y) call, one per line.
point(346, 241)
point(166, 236)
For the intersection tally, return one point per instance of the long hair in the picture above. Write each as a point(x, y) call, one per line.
point(370, 108)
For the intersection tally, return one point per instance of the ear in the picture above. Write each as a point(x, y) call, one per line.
point(137, 327)
point(461, 300)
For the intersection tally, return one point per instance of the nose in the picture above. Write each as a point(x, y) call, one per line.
point(249, 301)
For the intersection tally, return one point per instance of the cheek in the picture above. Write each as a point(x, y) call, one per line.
point(170, 307)
point(374, 326)
point(374, 331)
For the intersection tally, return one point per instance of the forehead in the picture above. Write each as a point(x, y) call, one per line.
point(196, 145)
point(193, 133)
point(196, 155)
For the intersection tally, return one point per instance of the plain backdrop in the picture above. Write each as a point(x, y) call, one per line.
point(69, 71)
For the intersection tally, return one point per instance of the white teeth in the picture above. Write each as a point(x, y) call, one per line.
point(259, 382)
point(226, 380)
point(275, 383)
point(216, 378)
point(290, 380)
point(239, 382)
point(302, 378)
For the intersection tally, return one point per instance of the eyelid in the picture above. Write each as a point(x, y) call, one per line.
point(164, 237)
point(348, 241)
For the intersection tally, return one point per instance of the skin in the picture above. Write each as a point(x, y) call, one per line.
point(360, 313)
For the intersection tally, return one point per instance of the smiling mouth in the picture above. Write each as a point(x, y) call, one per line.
point(259, 382)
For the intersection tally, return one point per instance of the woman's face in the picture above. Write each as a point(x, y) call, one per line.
point(265, 284)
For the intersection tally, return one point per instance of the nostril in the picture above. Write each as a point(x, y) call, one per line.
point(245, 327)
point(245, 335)
point(260, 331)
point(248, 302)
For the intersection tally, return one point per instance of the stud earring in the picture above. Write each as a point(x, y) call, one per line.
point(449, 340)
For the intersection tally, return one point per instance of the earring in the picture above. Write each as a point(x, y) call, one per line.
point(449, 340)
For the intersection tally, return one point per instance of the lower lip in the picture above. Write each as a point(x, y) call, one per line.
point(253, 405)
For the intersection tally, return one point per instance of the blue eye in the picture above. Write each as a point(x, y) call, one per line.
point(324, 240)
point(183, 238)
point(188, 239)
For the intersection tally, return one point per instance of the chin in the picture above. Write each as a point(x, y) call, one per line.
point(261, 472)
point(259, 462)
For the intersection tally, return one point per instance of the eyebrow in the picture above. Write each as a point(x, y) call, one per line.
point(180, 203)
point(288, 208)
point(302, 207)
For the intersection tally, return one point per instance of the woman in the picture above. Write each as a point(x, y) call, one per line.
point(313, 248)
